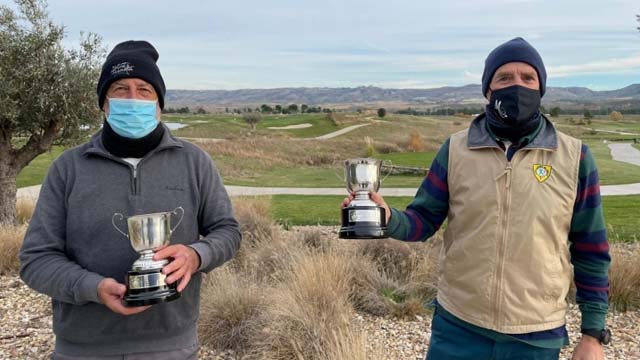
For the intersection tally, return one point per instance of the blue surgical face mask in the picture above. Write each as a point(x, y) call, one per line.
point(132, 118)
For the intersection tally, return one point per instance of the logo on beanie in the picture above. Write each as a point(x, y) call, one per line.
point(123, 67)
point(541, 172)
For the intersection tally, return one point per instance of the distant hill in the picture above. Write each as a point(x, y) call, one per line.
point(628, 97)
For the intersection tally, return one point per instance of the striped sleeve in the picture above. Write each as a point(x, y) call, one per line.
point(428, 210)
point(589, 246)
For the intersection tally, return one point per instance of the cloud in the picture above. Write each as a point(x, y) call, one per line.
point(597, 67)
point(474, 77)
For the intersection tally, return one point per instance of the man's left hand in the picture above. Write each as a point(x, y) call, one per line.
point(184, 264)
point(589, 348)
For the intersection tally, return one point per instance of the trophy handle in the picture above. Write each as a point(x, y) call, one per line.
point(175, 211)
point(113, 221)
point(388, 162)
point(336, 173)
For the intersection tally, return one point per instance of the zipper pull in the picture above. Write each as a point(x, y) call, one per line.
point(507, 173)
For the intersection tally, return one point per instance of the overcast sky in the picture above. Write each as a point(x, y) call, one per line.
point(236, 44)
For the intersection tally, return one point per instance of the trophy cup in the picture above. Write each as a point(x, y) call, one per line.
point(362, 218)
point(146, 282)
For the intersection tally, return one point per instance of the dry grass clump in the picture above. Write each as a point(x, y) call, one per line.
point(24, 210)
point(294, 296)
point(624, 279)
point(393, 257)
point(379, 294)
point(231, 310)
point(313, 238)
point(10, 242)
point(254, 216)
point(415, 142)
point(387, 148)
point(310, 309)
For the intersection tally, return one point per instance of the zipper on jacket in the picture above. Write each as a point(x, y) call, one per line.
point(504, 219)
point(135, 179)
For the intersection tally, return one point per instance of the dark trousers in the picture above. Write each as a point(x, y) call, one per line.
point(450, 341)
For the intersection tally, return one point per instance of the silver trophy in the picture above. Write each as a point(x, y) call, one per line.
point(145, 282)
point(362, 218)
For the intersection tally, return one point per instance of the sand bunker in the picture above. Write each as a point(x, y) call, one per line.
point(297, 126)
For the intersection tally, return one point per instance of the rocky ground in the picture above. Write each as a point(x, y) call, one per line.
point(25, 329)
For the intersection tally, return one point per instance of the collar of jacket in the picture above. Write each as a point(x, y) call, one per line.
point(479, 136)
point(97, 148)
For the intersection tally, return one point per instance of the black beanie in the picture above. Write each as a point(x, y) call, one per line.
point(131, 59)
point(515, 50)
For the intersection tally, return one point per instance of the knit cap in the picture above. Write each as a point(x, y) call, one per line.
point(131, 59)
point(514, 50)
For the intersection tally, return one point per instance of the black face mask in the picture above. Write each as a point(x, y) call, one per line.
point(515, 104)
point(514, 111)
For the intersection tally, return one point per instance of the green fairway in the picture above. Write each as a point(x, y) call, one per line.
point(620, 212)
point(611, 171)
point(35, 172)
point(232, 126)
point(316, 209)
point(414, 159)
point(313, 177)
point(621, 217)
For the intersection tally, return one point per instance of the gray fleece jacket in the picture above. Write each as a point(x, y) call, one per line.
point(71, 244)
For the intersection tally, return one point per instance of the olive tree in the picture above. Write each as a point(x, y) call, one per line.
point(47, 93)
point(252, 119)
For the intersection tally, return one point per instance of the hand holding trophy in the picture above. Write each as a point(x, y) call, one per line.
point(362, 218)
point(145, 282)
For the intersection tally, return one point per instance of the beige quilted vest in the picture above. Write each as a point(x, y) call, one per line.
point(505, 262)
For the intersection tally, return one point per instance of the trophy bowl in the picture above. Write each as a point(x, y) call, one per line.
point(145, 282)
point(362, 218)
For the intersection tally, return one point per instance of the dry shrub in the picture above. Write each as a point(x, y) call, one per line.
point(423, 279)
point(10, 242)
point(24, 209)
point(394, 278)
point(370, 149)
point(333, 118)
point(309, 309)
point(366, 284)
point(415, 143)
point(393, 257)
point(320, 159)
point(254, 216)
point(264, 253)
point(624, 279)
point(231, 308)
point(387, 148)
point(271, 261)
point(313, 238)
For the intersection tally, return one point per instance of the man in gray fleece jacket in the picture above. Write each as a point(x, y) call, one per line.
point(73, 253)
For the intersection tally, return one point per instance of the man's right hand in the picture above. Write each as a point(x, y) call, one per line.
point(111, 293)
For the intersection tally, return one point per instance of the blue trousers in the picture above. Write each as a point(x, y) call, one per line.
point(450, 341)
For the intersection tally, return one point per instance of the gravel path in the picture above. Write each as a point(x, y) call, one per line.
point(626, 153)
point(31, 192)
point(25, 329)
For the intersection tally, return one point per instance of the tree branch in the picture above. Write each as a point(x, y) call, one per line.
point(36, 145)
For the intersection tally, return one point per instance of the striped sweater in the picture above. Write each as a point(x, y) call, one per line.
point(589, 247)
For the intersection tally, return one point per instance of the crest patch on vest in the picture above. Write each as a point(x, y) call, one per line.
point(541, 172)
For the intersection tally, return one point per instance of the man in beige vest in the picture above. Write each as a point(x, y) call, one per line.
point(523, 207)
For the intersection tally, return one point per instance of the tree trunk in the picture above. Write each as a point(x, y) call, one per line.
point(8, 175)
